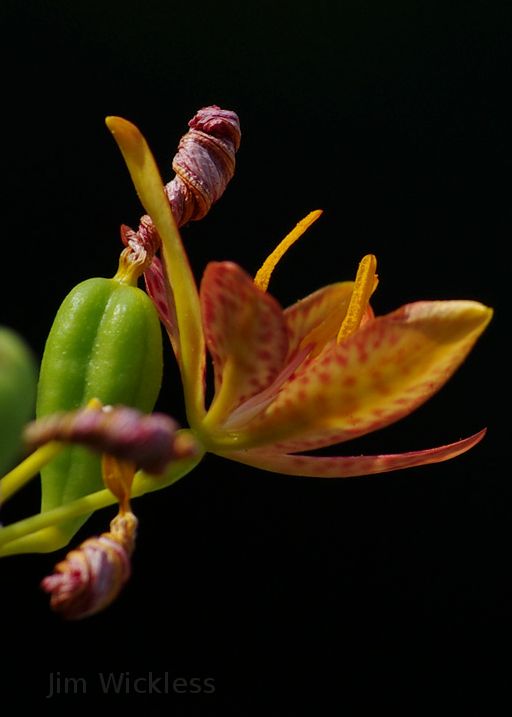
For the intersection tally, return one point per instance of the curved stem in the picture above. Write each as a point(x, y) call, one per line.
point(28, 469)
point(143, 483)
point(148, 183)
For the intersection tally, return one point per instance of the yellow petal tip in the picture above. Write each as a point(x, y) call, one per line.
point(450, 320)
point(128, 137)
point(477, 315)
point(118, 124)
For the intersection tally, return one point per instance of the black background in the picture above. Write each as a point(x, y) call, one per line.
point(394, 117)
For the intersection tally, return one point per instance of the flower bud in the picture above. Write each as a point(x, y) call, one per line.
point(150, 441)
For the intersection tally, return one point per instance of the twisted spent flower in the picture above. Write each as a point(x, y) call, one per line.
point(204, 165)
point(91, 577)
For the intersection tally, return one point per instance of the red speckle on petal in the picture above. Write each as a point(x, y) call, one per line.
point(227, 303)
point(362, 353)
point(265, 336)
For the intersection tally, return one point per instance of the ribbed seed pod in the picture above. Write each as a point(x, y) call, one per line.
point(105, 343)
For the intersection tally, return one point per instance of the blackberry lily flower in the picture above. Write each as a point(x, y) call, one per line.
point(318, 373)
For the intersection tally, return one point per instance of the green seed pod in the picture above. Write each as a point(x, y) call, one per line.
point(105, 343)
point(17, 394)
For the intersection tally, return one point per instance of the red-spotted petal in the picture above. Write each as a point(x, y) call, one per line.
point(378, 375)
point(245, 333)
point(350, 466)
point(159, 289)
point(317, 318)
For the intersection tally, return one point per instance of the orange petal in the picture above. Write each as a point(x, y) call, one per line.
point(378, 375)
point(245, 334)
point(317, 318)
point(351, 466)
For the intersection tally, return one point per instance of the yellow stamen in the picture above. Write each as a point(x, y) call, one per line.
point(365, 283)
point(265, 272)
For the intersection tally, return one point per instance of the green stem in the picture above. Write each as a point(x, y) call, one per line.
point(27, 469)
point(143, 483)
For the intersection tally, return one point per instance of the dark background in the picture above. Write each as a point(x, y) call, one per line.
point(394, 117)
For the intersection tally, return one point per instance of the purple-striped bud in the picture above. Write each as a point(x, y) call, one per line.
point(150, 441)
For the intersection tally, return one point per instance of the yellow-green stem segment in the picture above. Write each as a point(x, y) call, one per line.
point(40, 533)
point(19, 476)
